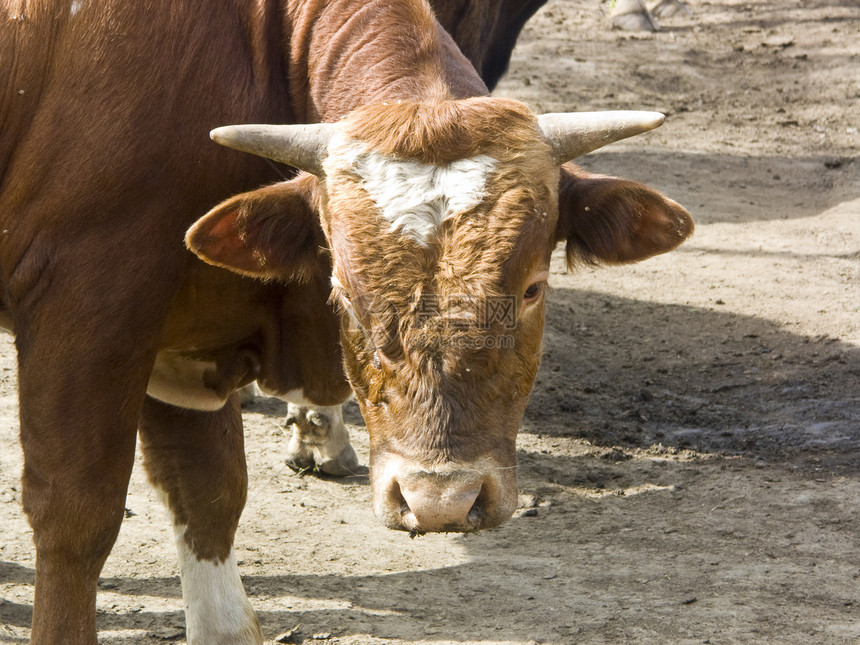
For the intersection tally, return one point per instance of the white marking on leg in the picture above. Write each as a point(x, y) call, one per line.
point(217, 611)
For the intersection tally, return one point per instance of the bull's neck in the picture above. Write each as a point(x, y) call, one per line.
point(347, 53)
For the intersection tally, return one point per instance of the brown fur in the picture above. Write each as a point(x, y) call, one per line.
point(193, 458)
point(432, 386)
point(252, 232)
point(438, 132)
point(614, 221)
point(105, 163)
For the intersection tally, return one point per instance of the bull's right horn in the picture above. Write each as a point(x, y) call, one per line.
point(301, 146)
point(572, 134)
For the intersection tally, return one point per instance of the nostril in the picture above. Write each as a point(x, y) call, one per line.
point(440, 504)
point(398, 501)
point(478, 512)
point(442, 498)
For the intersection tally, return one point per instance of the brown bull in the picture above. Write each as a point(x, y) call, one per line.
point(428, 207)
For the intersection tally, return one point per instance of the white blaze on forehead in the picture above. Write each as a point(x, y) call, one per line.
point(416, 197)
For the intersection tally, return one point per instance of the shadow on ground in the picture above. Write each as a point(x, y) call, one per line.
point(620, 372)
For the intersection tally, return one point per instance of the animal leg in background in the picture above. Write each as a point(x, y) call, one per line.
point(668, 8)
point(632, 15)
point(320, 439)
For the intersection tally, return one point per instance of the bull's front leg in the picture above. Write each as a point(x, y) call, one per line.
point(196, 461)
point(83, 338)
point(320, 440)
point(77, 432)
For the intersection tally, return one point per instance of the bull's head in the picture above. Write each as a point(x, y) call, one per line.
point(440, 221)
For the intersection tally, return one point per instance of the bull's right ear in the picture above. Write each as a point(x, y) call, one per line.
point(272, 233)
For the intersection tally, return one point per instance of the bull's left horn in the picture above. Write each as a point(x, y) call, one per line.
point(577, 133)
point(301, 146)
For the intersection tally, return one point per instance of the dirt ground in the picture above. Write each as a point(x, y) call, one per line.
point(690, 459)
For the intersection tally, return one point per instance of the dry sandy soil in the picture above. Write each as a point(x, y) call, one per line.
point(689, 460)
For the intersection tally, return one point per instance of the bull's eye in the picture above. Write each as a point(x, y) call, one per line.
point(537, 285)
point(532, 293)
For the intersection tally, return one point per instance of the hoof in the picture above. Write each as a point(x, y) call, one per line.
point(631, 15)
point(669, 8)
point(319, 441)
point(344, 465)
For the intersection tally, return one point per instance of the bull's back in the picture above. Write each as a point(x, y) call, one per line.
point(104, 129)
point(24, 57)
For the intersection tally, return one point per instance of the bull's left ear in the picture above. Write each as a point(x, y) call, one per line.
point(614, 221)
point(271, 233)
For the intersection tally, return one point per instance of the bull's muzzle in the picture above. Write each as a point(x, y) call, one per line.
point(450, 498)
